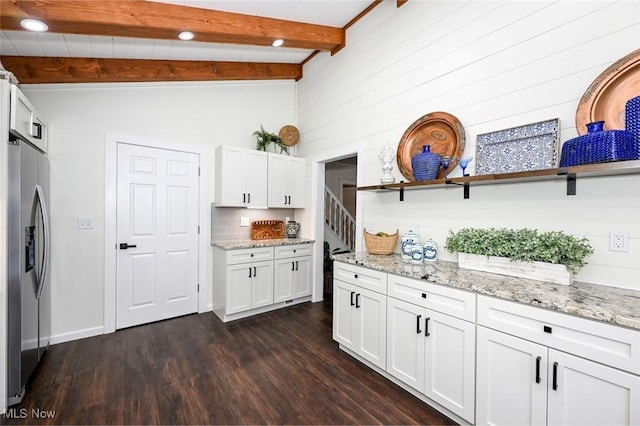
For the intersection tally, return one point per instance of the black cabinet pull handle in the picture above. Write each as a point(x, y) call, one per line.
point(38, 127)
point(249, 198)
point(426, 327)
point(357, 300)
point(418, 324)
point(352, 293)
point(124, 246)
point(292, 266)
point(355, 276)
point(251, 254)
point(547, 329)
point(296, 265)
point(555, 376)
point(289, 199)
point(249, 271)
point(285, 199)
point(255, 272)
point(244, 197)
point(538, 378)
point(424, 295)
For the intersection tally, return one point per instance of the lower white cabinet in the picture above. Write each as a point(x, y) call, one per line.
point(434, 353)
point(250, 286)
point(292, 272)
point(359, 321)
point(525, 383)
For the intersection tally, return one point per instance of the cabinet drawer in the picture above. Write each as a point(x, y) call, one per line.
point(457, 303)
point(249, 255)
point(609, 344)
point(293, 251)
point(363, 277)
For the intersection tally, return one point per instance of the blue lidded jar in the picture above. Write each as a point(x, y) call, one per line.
point(416, 253)
point(430, 251)
point(407, 241)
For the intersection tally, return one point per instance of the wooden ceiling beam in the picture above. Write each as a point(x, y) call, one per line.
point(30, 69)
point(152, 20)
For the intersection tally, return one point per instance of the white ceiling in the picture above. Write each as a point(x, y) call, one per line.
point(335, 13)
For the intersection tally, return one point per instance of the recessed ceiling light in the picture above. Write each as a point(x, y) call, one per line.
point(186, 35)
point(277, 42)
point(34, 25)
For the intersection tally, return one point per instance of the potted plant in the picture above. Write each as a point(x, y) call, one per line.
point(549, 256)
point(265, 138)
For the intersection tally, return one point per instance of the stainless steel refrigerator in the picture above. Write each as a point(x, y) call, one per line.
point(28, 244)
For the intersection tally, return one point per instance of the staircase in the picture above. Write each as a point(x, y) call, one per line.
point(339, 221)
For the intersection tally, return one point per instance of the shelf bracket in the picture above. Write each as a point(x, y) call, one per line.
point(571, 184)
point(464, 185)
point(400, 190)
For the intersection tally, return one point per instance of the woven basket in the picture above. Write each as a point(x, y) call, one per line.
point(289, 135)
point(380, 245)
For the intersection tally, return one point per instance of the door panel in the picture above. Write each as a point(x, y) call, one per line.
point(262, 284)
point(303, 276)
point(405, 346)
point(344, 319)
point(157, 215)
point(372, 315)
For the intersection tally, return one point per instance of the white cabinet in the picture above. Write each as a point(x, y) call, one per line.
point(434, 353)
point(25, 121)
point(286, 181)
point(241, 177)
point(359, 321)
point(532, 382)
point(292, 266)
point(250, 286)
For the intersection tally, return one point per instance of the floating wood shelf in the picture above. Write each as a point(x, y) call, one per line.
point(570, 174)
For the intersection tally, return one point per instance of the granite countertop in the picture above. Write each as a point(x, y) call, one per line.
point(243, 244)
point(609, 304)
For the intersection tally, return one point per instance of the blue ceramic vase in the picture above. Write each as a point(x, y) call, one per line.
point(426, 164)
point(632, 120)
point(598, 146)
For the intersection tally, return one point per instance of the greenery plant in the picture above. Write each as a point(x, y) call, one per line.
point(264, 138)
point(525, 245)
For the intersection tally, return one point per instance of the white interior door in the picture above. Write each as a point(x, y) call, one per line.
point(157, 218)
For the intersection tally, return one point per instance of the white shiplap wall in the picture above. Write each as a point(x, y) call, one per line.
point(494, 65)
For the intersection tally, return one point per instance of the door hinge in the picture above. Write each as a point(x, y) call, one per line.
point(198, 171)
point(198, 229)
point(198, 287)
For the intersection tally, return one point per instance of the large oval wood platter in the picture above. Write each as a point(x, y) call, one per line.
point(606, 97)
point(441, 130)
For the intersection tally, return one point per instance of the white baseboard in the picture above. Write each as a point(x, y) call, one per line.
point(76, 335)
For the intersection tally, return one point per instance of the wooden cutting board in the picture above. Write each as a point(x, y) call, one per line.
point(267, 229)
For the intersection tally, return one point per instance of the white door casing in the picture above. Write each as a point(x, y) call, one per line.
point(157, 214)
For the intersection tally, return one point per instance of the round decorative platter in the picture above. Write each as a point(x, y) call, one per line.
point(441, 130)
point(606, 97)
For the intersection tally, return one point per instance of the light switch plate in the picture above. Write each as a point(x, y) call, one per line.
point(85, 223)
point(244, 221)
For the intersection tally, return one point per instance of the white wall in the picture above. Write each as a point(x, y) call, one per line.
point(494, 65)
point(79, 116)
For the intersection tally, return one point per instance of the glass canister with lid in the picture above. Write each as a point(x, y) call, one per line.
point(407, 241)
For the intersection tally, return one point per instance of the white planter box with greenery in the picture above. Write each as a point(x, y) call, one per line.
point(550, 256)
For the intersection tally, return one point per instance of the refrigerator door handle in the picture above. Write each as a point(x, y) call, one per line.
point(46, 240)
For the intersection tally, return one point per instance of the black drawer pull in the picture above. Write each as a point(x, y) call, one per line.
point(546, 329)
point(352, 293)
point(255, 272)
point(424, 295)
point(244, 197)
point(418, 324)
point(249, 271)
point(555, 376)
point(355, 276)
point(357, 300)
point(538, 378)
point(426, 327)
point(293, 266)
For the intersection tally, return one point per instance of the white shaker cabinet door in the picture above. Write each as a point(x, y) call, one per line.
point(238, 288)
point(405, 342)
point(262, 284)
point(583, 392)
point(511, 380)
point(344, 328)
point(302, 276)
point(371, 316)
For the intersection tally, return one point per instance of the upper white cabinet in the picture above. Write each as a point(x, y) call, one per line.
point(286, 181)
point(25, 121)
point(241, 177)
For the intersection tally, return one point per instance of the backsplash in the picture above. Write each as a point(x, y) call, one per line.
point(225, 221)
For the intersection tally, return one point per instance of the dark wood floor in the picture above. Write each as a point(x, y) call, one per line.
point(277, 368)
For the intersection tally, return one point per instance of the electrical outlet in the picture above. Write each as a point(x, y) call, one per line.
point(618, 241)
point(85, 223)
point(244, 221)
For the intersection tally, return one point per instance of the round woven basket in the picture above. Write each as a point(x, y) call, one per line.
point(380, 245)
point(289, 135)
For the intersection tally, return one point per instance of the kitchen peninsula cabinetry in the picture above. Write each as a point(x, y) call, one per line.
point(286, 181)
point(431, 342)
point(241, 177)
point(558, 370)
point(292, 272)
point(359, 311)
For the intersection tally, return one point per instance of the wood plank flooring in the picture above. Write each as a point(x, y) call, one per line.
point(277, 368)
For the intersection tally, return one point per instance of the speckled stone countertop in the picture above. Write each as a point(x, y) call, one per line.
point(243, 244)
point(608, 304)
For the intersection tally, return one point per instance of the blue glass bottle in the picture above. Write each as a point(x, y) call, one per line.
point(426, 164)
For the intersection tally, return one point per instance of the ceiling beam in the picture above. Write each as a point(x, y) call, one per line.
point(148, 19)
point(30, 69)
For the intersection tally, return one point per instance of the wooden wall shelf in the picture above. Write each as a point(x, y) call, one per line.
point(570, 174)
